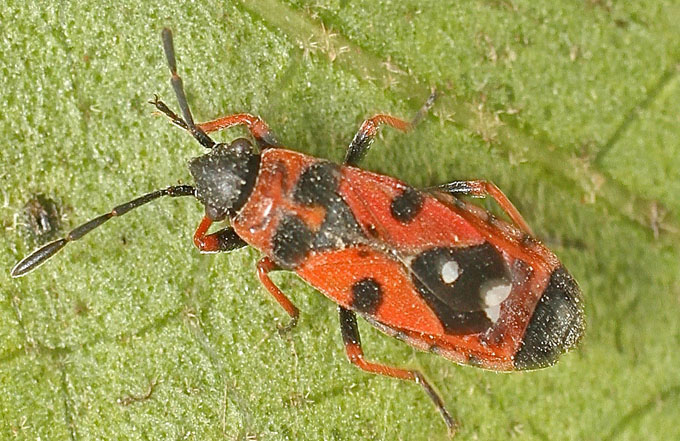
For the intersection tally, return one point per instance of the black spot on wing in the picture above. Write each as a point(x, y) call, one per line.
point(406, 206)
point(339, 228)
point(455, 322)
point(291, 242)
point(366, 296)
point(459, 304)
point(477, 265)
point(318, 184)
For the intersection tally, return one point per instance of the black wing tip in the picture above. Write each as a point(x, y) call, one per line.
point(556, 326)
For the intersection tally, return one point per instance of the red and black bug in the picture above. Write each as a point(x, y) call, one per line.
point(421, 265)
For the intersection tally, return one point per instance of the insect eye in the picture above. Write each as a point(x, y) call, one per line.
point(241, 145)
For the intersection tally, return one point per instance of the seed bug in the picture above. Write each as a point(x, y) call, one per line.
point(421, 265)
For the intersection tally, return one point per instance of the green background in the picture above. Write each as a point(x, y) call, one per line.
point(572, 108)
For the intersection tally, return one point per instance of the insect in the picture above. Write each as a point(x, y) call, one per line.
point(42, 218)
point(421, 265)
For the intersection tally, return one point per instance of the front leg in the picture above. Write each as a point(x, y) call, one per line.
point(226, 239)
point(256, 126)
point(220, 241)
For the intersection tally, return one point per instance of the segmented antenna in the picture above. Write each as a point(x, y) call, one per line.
point(39, 256)
point(177, 85)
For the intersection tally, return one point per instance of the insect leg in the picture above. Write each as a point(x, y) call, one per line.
point(220, 241)
point(369, 129)
point(352, 341)
point(364, 138)
point(482, 188)
point(264, 266)
point(226, 239)
point(258, 128)
point(39, 256)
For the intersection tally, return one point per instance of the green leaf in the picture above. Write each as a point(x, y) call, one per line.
point(570, 107)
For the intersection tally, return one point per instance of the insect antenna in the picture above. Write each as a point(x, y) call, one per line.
point(39, 256)
point(177, 85)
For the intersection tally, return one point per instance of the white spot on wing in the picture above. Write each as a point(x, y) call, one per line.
point(493, 312)
point(450, 272)
point(495, 293)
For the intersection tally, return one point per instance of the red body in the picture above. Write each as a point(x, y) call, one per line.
point(442, 221)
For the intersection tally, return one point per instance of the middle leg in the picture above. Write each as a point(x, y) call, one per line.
point(264, 267)
point(364, 138)
point(369, 129)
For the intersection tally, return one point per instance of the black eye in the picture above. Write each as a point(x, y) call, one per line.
point(241, 145)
